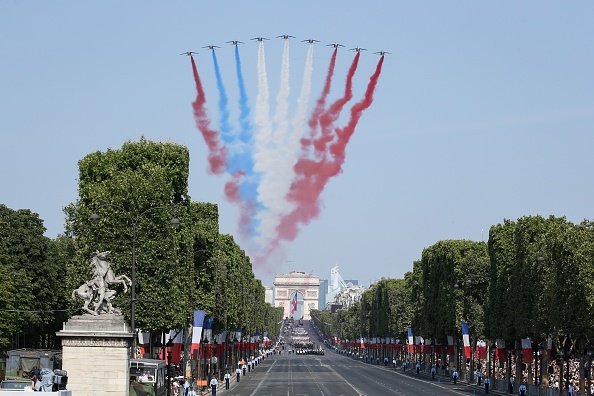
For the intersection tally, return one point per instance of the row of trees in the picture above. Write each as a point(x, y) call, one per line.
point(135, 191)
point(534, 278)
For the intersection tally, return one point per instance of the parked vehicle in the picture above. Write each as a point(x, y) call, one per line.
point(20, 363)
point(147, 377)
point(14, 385)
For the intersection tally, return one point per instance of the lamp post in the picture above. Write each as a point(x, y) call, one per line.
point(134, 221)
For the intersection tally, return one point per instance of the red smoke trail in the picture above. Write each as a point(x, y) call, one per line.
point(331, 115)
point(320, 104)
point(246, 209)
point(312, 176)
point(337, 150)
point(217, 156)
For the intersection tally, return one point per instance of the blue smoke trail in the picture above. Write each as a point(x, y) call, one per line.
point(248, 188)
point(225, 127)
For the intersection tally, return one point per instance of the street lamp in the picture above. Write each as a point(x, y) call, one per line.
point(134, 220)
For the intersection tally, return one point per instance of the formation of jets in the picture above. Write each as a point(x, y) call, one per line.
point(284, 37)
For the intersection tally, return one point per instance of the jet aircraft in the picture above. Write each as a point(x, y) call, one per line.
point(382, 53)
point(358, 49)
point(285, 36)
point(335, 45)
point(260, 38)
point(234, 42)
point(189, 53)
point(311, 41)
point(211, 47)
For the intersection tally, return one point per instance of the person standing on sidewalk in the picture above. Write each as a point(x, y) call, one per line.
point(455, 376)
point(487, 383)
point(213, 385)
point(227, 379)
point(191, 392)
point(418, 366)
point(432, 372)
point(522, 390)
point(238, 373)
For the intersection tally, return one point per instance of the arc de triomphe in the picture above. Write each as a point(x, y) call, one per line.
point(285, 285)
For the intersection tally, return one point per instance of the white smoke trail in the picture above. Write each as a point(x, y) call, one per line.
point(268, 192)
point(286, 153)
point(262, 112)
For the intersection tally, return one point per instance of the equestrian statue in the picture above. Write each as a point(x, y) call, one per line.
point(97, 290)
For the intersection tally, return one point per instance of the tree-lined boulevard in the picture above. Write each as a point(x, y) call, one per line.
point(527, 293)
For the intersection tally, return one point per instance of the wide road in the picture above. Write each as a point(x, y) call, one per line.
point(334, 375)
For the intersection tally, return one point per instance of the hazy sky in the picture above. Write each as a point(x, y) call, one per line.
point(484, 111)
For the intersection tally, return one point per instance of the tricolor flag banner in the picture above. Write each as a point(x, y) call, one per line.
point(451, 345)
point(221, 338)
point(481, 349)
point(208, 329)
point(438, 347)
point(238, 335)
point(411, 341)
point(419, 344)
point(501, 350)
point(362, 343)
point(144, 340)
point(197, 331)
point(466, 339)
point(527, 350)
point(178, 336)
point(549, 347)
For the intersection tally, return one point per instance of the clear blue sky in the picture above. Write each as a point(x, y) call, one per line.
point(484, 110)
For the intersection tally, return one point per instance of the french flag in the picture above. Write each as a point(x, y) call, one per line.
point(527, 350)
point(549, 347)
point(197, 331)
point(466, 339)
point(362, 343)
point(481, 349)
point(144, 340)
point(177, 336)
point(450, 345)
point(501, 350)
point(411, 341)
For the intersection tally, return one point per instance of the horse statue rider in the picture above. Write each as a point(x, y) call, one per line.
point(96, 290)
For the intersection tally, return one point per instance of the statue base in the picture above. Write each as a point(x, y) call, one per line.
point(95, 353)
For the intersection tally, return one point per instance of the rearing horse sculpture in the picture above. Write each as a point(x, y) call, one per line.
point(103, 267)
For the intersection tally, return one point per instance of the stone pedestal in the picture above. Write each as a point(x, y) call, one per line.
point(95, 353)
